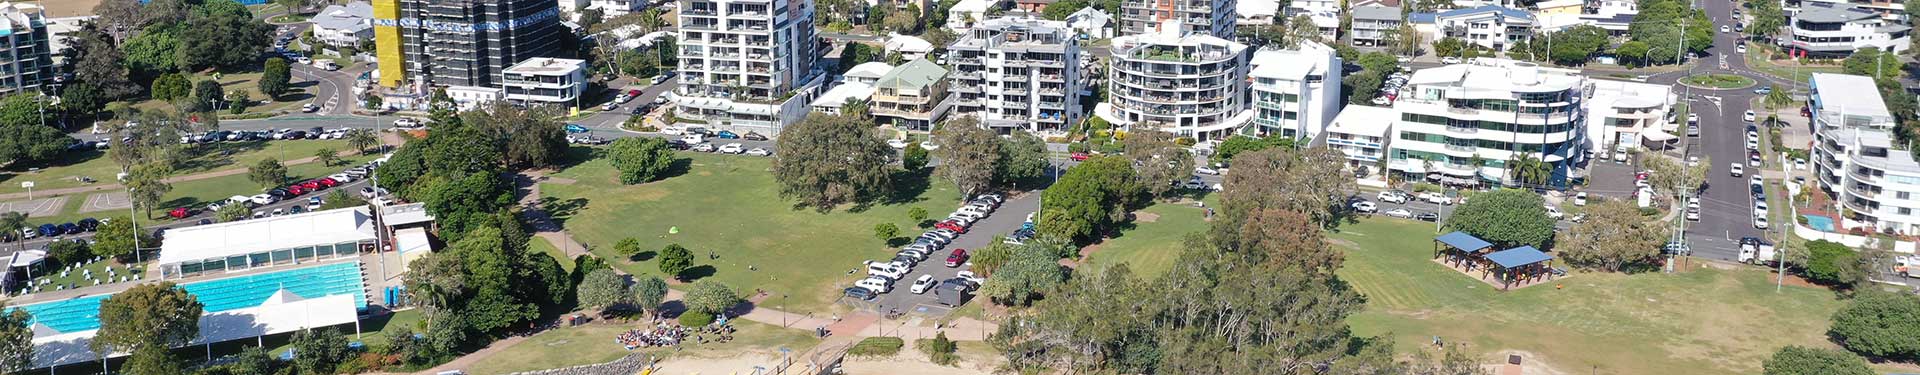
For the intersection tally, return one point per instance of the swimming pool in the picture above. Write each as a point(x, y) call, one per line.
point(231, 293)
point(1821, 223)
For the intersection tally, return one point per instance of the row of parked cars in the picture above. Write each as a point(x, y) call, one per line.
point(265, 135)
point(52, 230)
point(883, 274)
point(295, 190)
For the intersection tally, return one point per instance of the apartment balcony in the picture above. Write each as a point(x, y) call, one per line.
point(1014, 91)
point(697, 12)
point(1862, 192)
point(965, 88)
point(747, 14)
point(1462, 129)
point(1855, 174)
point(697, 26)
point(1051, 91)
point(1463, 111)
point(1046, 104)
point(1461, 148)
point(1048, 63)
point(970, 60)
point(961, 74)
point(1052, 78)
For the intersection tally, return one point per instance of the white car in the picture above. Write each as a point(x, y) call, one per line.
point(1580, 198)
point(1800, 164)
point(875, 284)
point(1737, 170)
point(1435, 198)
point(1753, 161)
point(1392, 196)
point(1205, 170)
point(1450, 60)
point(1365, 206)
point(922, 284)
point(897, 143)
point(1554, 212)
point(703, 147)
point(1740, 49)
point(757, 151)
point(1753, 144)
point(1399, 213)
point(1693, 214)
point(1725, 29)
point(672, 130)
point(1748, 117)
point(732, 148)
point(1693, 161)
point(406, 123)
point(1756, 180)
point(693, 139)
point(1760, 222)
point(1693, 117)
point(262, 199)
point(971, 277)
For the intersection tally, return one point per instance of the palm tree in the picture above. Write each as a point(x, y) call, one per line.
point(1528, 170)
point(362, 139)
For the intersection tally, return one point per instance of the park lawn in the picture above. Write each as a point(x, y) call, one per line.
point(198, 193)
point(1756, 60)
point(1149, 248)
point(729, 206)
point(1703, 321)
point(65, 173)
point(248, 81)
point(593, 343)
point(540, 245)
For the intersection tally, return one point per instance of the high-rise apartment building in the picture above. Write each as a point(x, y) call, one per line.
point(747, 64)
point(1296, 92)
point(25, 56)
point(1461, 124)
point(1213, 17)
point(1190, 84)
point(447, 43)
point(1017, 73)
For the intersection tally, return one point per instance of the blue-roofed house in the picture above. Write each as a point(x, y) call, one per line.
point(1490, 26)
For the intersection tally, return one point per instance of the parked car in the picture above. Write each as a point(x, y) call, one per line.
point(723, 134)
point(179, 213)
point(732, 148)
point(576, 128)
point(1399, 213)
point(1392, 196)
point(405, 123)
point(309, 108)
point(1748, 116)
point(1736, 169)
point(1365, 207)
point(859, 293)
point(752, 136)
point(897, 143)
point(958, 258)
point(1427, 216)
point(88, 224)
point(1435, 198)
point(1580, 198)
point(758, 151)
point(922, 284)
point(1205, 170)
point(1078, 156)
point(703, 147)
point(1554, 212)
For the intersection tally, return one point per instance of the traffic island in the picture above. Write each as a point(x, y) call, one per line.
point(1717, 81)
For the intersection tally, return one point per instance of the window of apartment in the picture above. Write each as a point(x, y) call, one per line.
point(1906, 211)
point(1900, 194)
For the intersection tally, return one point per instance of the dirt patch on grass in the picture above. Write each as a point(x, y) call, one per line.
point(1530, 363)
point(1145, 217)
point(1343, 243)
point(559, 180)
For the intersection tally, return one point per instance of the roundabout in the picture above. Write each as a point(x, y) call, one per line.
point(1717, 81)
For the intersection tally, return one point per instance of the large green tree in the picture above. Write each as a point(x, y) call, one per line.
point(1240, 144)
point(969, 154)
point(1159, 161)
point(267, 172)
point(150, 318)
point(25, 136)
point(640, 159)
point(1872, 63)
point(526, 138)
point(1615, 237)
point(117, 238)
point(602, 289)
point(208, 95)
point(1879, 324)
point(274, 79)
point(16, 340)
point(147, 184)
point(1023, 157)
point(1506, 217)
point(1800, 360)
point(1089, 199)
point(1286, 179)
point(155, 51)
point(710, 297)
point(829, 160)
point(319, 350)
point(222, 35)
point(1024, 278)
point(649, 292)
point(675, 260)
point(1833, 263)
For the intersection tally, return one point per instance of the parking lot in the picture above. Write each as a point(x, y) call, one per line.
point(1008, 218)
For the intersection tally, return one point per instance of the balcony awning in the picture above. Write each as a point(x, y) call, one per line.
point(1657, 136)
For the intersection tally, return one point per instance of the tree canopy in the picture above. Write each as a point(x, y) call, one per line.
point(969, 154)
point(1879, 324)
point(1089, 199)
point(1800, 360)
point(829, 160)
point(640, 159)
point(24, 136)
point(1615, 237)
point(16, 340)
point(710, 297)
point(160, 315)
point(1506, 217)
point(117, 238)
point(602, 289)
point(1833, 263)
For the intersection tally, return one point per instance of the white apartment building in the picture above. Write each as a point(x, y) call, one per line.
point(1190, 84)
point(1892, 10)
point(966, 13)
point(1873, 177)
point(1489, 26)
point(1374, 25)
point(1836, 30)
point(1017, 73)
point(1629, 115)
point(747, 65)
point(1363, 133)
point(615, 8)
point(344, 25)
point(545, 80)
point(1489, 112)
point(1213, 17)
point(29, 58)
point(1846, 101)
point(1295, 92)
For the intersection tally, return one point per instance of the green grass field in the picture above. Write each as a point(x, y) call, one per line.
point(1719, 81)
point(1702, 321)
point(730, 206)
point(593, 343)
point(249, 82)
point(1149, 248)
point(208, 157)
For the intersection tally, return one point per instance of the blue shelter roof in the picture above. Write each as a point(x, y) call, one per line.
point(1519, 256)
point(1463, 241)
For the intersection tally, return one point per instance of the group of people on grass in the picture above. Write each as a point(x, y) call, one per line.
point(664, 334)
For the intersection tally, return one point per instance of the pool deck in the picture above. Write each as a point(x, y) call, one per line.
point(152, 276)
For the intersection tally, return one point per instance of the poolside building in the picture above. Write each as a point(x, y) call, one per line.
point(268, 242)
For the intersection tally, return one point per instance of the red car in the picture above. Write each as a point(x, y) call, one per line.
point(296, 190)
point(1078, 156)
point(180, 213)
point(958, 258)
point(310, 185)
point(633, 93)
point(952, 226)
point(327, 182)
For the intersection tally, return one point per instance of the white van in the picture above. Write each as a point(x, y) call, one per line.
point(693, 139)
point(886, 270)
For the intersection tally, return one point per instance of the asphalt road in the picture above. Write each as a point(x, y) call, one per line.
point(1002, 221)
point(1726, 205)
